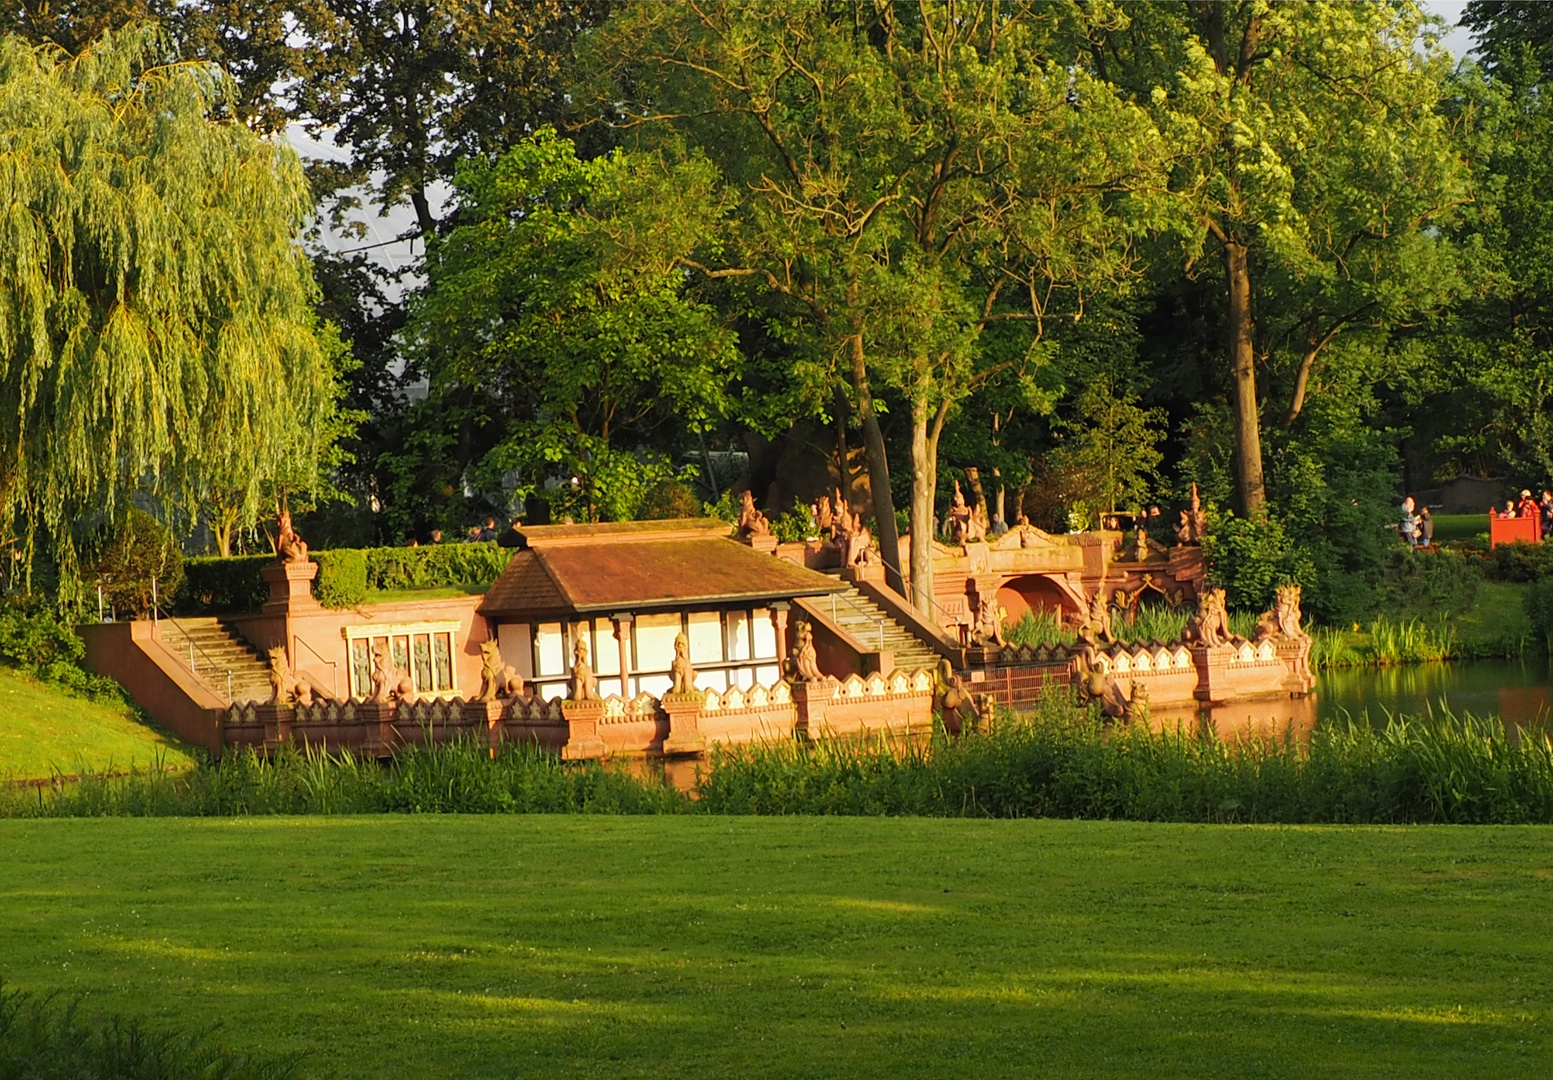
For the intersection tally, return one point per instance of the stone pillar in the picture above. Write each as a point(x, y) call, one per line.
point(684, 711)
point(779, 619)
point(583, 740)
point(1213, 682)
point(623, 635)
point(811, 699)
point(291, 594)
point(277, 721)
point(375, 720)
point(486, 716)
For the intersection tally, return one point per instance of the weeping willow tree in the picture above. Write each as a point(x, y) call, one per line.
point(157, 331)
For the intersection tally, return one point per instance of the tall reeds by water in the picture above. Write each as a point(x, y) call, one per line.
point(1062, 761)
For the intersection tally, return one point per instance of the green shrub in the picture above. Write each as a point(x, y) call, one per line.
point(138, 563)
point(1426, 584)
point(669, 499)
point(36, 640)
point(435, 566)
point(1522, 561)
point(218, 586)
point(1249, 558)
point(47, 1038)
point(342, 578)
point(796, 524)
point(1539, 609)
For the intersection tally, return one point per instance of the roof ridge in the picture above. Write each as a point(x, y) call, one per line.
point(544, 564)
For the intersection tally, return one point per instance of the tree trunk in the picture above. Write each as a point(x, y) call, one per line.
point(978, 493)
point(843, 451)
point(1248, 435)
point(878, 472)
point(997, 477)
point(924, 484)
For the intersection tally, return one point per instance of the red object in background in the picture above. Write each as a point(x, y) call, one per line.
point(1513, 530)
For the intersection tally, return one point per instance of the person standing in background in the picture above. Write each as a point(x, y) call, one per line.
point(1425, 527)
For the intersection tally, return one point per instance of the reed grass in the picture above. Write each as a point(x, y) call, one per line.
point(1037, 628)
point(1063, 762)
point(1060, 761)
point(1385, 641)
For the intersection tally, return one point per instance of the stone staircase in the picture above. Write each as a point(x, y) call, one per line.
point(217, 649)
point(861, 617)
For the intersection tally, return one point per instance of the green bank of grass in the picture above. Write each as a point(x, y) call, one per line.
point(441, 592)
point(44, 730)
point(1448, 527)
point(1496, 624)
point(816, 947)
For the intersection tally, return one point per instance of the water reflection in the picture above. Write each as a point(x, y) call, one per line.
point(1516, 691)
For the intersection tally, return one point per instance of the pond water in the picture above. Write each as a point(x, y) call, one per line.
point(1519, 692)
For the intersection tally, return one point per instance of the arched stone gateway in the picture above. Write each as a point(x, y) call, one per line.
point(1037, 593)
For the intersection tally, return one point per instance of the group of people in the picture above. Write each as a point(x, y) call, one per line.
point(1416, 526)
point(1528, 507)
point(476, 534)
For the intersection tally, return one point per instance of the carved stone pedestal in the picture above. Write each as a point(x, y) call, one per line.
point(277, 721)
point(766, 545)
point(583, 741)
point(1213, 684)
point(811, 699)
point(982, 655)
point(377, 719)
point(291, 587)
point(486, 716)
point(685, 736)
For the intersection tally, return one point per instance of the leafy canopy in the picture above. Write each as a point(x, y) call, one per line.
point(156, 319)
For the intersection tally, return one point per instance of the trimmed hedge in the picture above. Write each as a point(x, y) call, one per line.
point(342, 577)
point(214, 585)
point(217, 586)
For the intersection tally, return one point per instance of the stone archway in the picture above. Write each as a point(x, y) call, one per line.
point(1034, 592)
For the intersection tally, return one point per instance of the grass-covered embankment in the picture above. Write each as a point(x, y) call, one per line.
point(415, 946)
point(46, 730)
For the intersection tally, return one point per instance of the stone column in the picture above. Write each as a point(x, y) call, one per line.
point(623, 635)
point(779, 618)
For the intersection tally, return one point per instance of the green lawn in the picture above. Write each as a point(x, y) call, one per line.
point(802, 947)
point(1497, 620)
point(1459, 526)
point(44, 730)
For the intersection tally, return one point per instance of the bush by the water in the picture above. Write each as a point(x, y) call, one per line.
point(1063, 761)
point(1522, 561)
point(48, 1038)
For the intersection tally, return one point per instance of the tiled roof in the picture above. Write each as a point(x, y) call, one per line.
point(609, 572)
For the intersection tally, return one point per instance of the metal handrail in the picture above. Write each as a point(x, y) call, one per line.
point(193, 648)
point(935, 603)
point(334, 665)
point(853, 604)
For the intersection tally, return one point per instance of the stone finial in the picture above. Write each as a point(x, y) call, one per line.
point(682, 674)
point(805, 661)
point(497, 679)
point(584, 686)
point(289, 545)
point(285, 687)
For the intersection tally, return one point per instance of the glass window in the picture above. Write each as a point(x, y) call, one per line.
point(765, 634)
point(442, 660)
point(768, 676)
point(656, 685)
point(738, 637)
point(712, 680)
point(706, 637)
point(655, 636)
point(606, 648)
point(551, 649)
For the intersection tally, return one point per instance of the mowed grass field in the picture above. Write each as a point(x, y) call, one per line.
point(802, 947)
point(44, 731)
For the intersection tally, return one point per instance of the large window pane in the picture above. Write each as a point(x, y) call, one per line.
point(606, 648)
point(738, 638)
point(655, 636)
point(551, 648)
point(706, 637)
point(765, 635)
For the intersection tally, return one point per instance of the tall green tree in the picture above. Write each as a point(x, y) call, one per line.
point(909, 175)
point(156, 308)
point(1314, 161)
point(558, 312)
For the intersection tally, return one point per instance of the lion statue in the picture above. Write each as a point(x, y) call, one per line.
point(1210, 625)
point(388, 683)
point(287, 688)
point(497, 679)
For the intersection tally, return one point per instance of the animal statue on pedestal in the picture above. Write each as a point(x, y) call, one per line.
point(286, 688)
point(497, 679)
